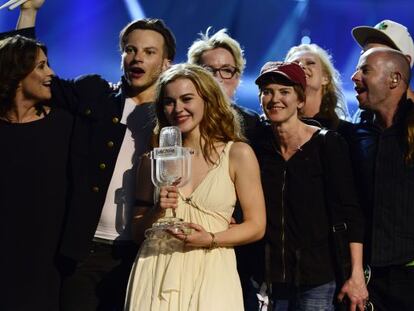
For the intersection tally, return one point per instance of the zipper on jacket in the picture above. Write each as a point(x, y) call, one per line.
point(283, 227)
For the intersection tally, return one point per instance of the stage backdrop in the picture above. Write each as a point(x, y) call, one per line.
point(82, 35)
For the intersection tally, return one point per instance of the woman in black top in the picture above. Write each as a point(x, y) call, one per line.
point(305, 175)
point(33, 181)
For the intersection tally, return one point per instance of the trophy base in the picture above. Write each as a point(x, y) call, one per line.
point(159, 228)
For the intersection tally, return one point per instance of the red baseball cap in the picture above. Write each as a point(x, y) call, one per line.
point(291, 71)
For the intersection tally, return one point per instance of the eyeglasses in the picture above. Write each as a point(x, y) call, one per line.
point(225, 72)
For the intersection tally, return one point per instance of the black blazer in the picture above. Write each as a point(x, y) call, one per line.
point(96, 140)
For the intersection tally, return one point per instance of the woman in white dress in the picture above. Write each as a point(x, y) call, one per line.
point(197, 271)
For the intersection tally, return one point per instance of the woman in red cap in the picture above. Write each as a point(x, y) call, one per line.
point(307, 182)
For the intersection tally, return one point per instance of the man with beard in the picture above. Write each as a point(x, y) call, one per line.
point(113, 127)
point(382, 150)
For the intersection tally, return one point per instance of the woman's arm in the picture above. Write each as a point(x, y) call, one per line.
point(344, 203)
point(26, 22)
point(355, 288)
point(28, 12)
point(244, 170)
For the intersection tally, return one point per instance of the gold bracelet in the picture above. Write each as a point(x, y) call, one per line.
point(213, 243)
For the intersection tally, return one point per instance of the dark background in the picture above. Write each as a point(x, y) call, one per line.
point(82, 35)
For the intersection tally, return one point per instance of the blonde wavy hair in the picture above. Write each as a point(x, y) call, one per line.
point(333, 105)
point(220, 122)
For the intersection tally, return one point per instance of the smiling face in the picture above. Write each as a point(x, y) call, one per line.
point(36, 85)
point(183, 106)
point(143, 59)
point(312, 65)
point(221, 58)
point(279, 102)
point(371, 80)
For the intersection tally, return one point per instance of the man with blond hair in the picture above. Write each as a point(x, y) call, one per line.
point(224, 58)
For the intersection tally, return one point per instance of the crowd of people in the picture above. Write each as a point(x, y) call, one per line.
point(296, 209)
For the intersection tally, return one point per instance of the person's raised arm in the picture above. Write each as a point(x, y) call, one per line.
point(28, 13)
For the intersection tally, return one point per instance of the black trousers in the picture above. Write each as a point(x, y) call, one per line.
point(391, 288)
point(99, 282)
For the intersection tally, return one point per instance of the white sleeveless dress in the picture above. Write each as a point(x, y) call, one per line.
point(168, 276)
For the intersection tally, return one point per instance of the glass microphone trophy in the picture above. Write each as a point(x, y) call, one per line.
point(170, 165)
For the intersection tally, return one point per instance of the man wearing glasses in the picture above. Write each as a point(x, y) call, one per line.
point(223, 56)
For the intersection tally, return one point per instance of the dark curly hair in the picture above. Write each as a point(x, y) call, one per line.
point(17, 59)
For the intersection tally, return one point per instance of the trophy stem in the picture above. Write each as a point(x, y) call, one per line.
point(167, 223)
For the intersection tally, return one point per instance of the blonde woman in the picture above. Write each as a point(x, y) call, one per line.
point(325, 101)
point(198, 271)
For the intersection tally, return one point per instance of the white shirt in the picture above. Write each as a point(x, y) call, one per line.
point(117, 210)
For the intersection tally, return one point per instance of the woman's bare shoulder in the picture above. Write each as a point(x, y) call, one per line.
point(240, 151)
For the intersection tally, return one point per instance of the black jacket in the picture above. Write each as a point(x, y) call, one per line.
point(386, 188)
point(297, 194)
point(96, 141)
